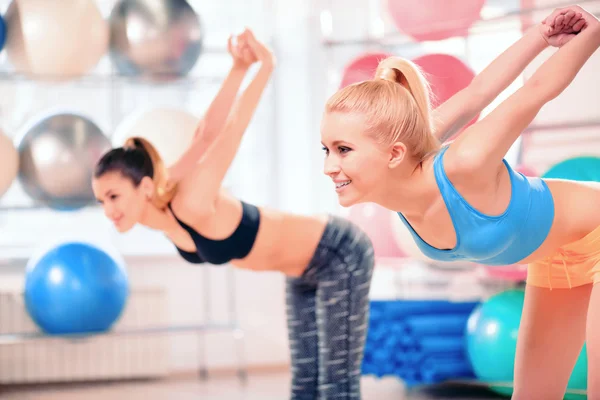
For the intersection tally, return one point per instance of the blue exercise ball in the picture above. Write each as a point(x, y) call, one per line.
point(75, 288)
point(492, 331)
point(2, 32)
point(584, 168)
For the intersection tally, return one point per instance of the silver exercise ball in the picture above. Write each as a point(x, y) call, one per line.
point(57, 156)
point(160, 39)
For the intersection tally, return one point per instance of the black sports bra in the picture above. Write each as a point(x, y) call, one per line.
point(236, 246)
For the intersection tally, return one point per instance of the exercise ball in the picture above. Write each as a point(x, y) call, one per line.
point(578, 379)
point(362, 68)
point(55, 39)
point(58, 154)
point(491, 334)
point(585, 168)
point(10, 163)
point(526, 170)
point(434, 19)
point(404, 239)
point(375, 221)
point(75, 288)
point(447, 75)
point(2, 32)
point(161, 39)
point(170, 130)
point(492, 330)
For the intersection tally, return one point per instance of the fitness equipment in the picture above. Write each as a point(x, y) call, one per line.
point(434, 19)
point(75, 287)
point(585, 168)
point(170, 130)
point(161, 39)
point(10, 163)
point(492, 331)
point(58, 154)
point(362, 68)
point(69, 38)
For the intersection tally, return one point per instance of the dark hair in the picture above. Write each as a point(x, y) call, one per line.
point(135, 160)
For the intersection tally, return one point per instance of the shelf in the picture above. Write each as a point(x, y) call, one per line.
point(13, 76)
point(14, 338)
point(483, 26)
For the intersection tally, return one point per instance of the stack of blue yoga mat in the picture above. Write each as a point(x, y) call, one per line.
point(421, 342)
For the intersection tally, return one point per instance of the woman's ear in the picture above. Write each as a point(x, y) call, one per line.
point(147, 187)
point(397, 154)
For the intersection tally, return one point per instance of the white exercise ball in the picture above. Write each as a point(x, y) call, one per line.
point(10, 163)
point(55, 39)
point(170, 130)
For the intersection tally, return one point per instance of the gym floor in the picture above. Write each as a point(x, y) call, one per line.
point(265, 386)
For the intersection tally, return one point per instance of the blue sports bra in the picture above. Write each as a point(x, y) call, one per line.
point(493, 240)
point(236, 246)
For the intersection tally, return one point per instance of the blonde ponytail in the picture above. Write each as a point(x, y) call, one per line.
point(162, 194)
point(410, 76)
point(397, 105)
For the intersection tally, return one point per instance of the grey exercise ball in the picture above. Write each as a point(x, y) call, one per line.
point(57, 156)
point(160, 39)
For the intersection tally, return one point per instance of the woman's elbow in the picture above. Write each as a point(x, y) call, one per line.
point(542, 90)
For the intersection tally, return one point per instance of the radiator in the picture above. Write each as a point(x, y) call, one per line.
point(86, 359)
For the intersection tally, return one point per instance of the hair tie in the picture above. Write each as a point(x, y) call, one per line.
point(389, 74)
point(130, 144)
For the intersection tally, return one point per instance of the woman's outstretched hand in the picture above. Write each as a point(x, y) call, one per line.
point(564, 24)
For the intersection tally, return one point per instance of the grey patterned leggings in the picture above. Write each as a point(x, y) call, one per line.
point(328, 313)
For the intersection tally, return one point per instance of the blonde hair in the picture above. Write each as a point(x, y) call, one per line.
point(162, 194)
point(396, 103)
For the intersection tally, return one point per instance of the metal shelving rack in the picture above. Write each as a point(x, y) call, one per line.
point(113, 81)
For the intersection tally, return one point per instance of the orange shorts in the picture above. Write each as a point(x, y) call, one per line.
point(575, 264)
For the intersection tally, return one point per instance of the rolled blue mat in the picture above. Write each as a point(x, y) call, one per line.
point(442, 344)
point(439, 368)
point(409, 357)
point(412, 378)
point(398, 309)
point(450, 324)
point(380, 356)
point(397, 327)
point(377, 333)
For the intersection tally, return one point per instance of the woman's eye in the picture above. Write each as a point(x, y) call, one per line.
point(343, 149)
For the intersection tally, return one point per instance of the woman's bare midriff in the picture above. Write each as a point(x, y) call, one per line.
point(576, 214)
point(285, 242)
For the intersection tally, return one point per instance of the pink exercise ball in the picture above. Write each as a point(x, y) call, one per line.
point(526, 170)
point(362, 68)
point(447, 75)
point(376, 223)
point(404, 239)
point(434, 19)
point(55, 39)
point(10, 163)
